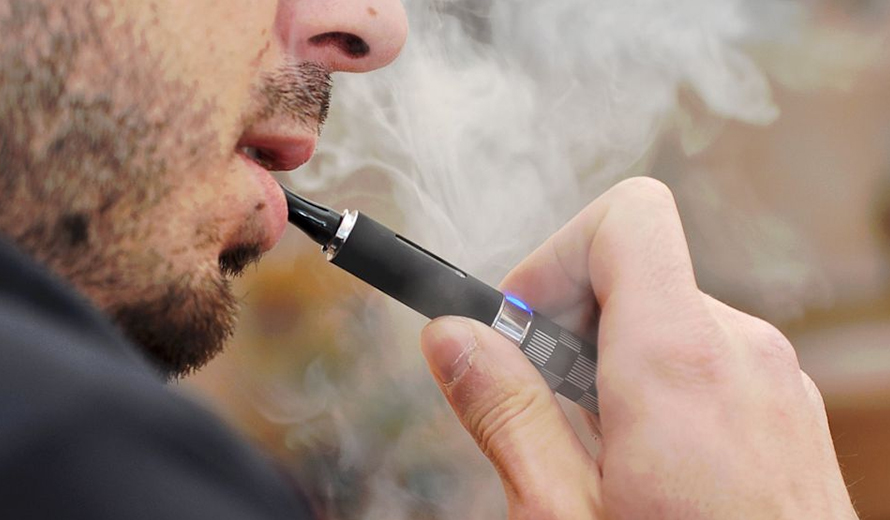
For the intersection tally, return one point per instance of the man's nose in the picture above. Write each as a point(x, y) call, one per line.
point(344, 35)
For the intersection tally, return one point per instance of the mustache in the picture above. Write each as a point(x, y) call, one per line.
point(300, 91)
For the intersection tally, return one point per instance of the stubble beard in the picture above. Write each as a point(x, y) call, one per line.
point(81, 171)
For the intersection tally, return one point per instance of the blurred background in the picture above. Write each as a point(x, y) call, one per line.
point(769, 119)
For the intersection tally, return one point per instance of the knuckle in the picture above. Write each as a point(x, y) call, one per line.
point(757, 337)
point(692, 364)
point(770, 345)
point(500, 417)
point(812, 391)
point(646, 190)
point(694, 354)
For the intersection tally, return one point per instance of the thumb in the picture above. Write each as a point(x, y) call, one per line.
point(505, 404)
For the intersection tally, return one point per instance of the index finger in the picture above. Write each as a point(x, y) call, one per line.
point(629, 242)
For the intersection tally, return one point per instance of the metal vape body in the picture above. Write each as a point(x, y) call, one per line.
point(434, 287)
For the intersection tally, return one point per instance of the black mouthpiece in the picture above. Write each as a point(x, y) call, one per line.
point(317, 221)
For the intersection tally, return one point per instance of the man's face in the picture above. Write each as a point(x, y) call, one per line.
point(135, 138)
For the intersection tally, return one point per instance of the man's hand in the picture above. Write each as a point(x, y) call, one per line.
point(705, 412)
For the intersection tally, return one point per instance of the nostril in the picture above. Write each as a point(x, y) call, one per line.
point(349, 44)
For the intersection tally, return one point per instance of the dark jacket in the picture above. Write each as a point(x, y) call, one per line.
point(89, 430)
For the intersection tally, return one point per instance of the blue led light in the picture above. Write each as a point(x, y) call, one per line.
point(517, 302)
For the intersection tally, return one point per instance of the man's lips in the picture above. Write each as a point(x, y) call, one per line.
point(265, 154)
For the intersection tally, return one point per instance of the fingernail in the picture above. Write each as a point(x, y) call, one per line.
point(448, 345)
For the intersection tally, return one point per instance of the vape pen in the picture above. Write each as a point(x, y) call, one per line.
point(434, 287)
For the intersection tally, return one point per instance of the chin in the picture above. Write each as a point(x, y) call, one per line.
point(182, 325)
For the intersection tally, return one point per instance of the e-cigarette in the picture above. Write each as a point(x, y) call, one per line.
point(433, 287)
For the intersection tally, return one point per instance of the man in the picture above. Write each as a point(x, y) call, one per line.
point(135, 139)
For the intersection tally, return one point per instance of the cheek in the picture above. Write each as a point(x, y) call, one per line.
point(214, 48)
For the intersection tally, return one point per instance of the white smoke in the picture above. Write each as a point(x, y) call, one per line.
point(500, 120)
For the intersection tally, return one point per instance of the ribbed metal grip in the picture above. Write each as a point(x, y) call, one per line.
point(567, 362)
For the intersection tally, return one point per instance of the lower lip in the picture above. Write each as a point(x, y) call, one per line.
point(274, 211)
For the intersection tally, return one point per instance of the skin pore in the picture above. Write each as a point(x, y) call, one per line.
point(119, 150)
